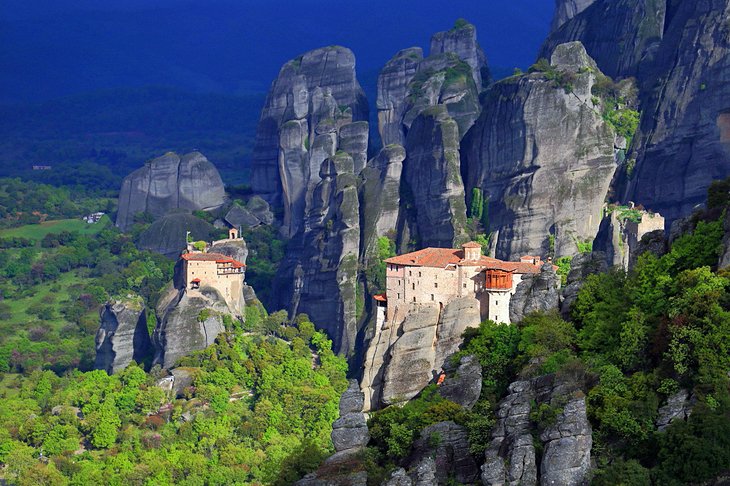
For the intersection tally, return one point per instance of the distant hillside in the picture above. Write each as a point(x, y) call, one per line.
point(96, 139)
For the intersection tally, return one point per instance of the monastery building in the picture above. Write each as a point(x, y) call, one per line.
point(438, 275)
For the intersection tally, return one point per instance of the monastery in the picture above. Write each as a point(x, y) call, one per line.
point(442, 274)
point(215, 270)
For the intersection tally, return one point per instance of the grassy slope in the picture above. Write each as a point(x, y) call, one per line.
point(38, 231)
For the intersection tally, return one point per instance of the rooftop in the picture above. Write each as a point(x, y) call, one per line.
point(211, 257)
point(471, 244)
point(443, 257)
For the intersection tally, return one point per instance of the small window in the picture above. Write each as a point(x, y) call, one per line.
point(432, 297)
point(496, 302)
point(464, 285)
point(436, 285)
point(398, 296)
point(414, 299)
point(414, 286)
point(496, 319)
point(419, 274)
point(410, 273)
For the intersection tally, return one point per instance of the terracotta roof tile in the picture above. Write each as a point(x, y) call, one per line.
point(211, 257)
point(442, 257)
point(471, 244)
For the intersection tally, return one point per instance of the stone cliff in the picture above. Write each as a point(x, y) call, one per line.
point(566, 444)
point(303, 122)
point(407, 355)
point(169, 182)
point(543, 156)
point(319, 274)
point(122, 336)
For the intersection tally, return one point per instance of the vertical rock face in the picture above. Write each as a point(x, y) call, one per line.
point(566, 460)
point(403, 358)
point(169, 182)
point(393, 83)
point(543, 157)
point(122, 336)
point(307, 106)
point(582, 265)
point(433, 174)
point(319, 274)
point(567, 9)
point(188, 323)
point(621, 35)
point(462, 41)
point(685, 141)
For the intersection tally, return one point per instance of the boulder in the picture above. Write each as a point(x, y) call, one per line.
point(169, 182)
point(123, 336)
point(543, 157)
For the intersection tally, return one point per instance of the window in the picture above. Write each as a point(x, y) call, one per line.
point(496, 302)
point(432, 298)
point(398, 296)
point(464, 285)
point(414, 299)
point(419, 274)
point(414, 286)
point(410, 273)
point(435, 285)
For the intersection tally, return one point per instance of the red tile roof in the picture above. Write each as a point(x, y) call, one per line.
point(442, 257)
point(471, 244)
point(195, 280)
point(380, 297)
point(211, 257)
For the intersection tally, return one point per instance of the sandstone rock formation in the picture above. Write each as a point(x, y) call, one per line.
point(123, 336)
point(544, 157)
point(536, 293)
point(302, 124)
point(350, 431)
point(566, 460)
point(403, 358)
point(621, 35)
point(463, 383)
point(678, 407)
point(319, 274)
point(188, 323)
point(441, 454)
point(167, 235)
point(462, 41)
point(189, 182)
point(683, 144)
point(393, 87)
point(236, 249)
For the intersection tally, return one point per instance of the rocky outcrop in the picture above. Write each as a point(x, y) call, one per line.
point(319, 274)
point(566, 458)
point(303, 122)
point(463, 383)
point(535, 293)
point(582, 265)
point(433, 174)
point(462, 41)
point(256, 212)
point(406, 355)
point(621, 35)
point(543, 157)
point(684, 143)
point(380, 184)
point(190, 322)
point(566, 10)
point(393, 86)
point(350, 431)
point(441, 454)
point(167, 235)
point(236, 249)
point(169, 182)
point(123, 336)
point(678, 407)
